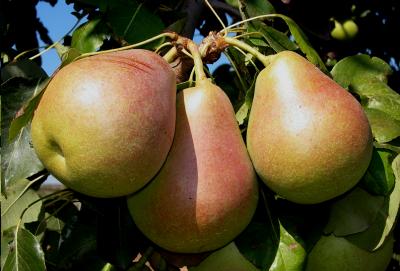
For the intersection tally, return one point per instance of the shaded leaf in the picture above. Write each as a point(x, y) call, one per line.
point(89, 36)
point(26, 113)
point(26, 253)
point(373, 238)
point(384, 127)
point(23, 68)
point(133, 21)
point(277, 40)
point(6, 239)
point(379, 178)
point(19, 196)
point(290, 255)
point(304, 44)
point(259, 243)
point(353, 213)
point(69, 56)
point(253, 8)
point(19, 159)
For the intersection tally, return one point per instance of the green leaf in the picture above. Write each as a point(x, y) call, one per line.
point(27, 112)
point(7, 237)
point(23, 68)
point(290, 255)
point(353, 70)
point(259, 243)
point(89, 36)
point(19, 159)
point(244, 111)
point(384, 127)
point(254, 8)
point(379, 178)
point(277, 40)
point(304, 44)
point(132, 21)
point(368, 77)
point(373, 238)
point(19, 197)
point(353, 213)
point(26, 253)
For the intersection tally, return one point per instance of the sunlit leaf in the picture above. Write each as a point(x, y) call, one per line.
point(19, 197)
point(353, 70)
point(379, 178)
point(290, 255)
point(89, 36)
point(244, 111)
point(353, 213)
point(368, 78)
point(384, 127)
point(25, 253)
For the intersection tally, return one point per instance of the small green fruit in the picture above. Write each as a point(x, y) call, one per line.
point(105, 123)
point(346, 31)
point(333, 253)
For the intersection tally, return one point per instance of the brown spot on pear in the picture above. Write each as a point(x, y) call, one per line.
point(105, 123)
point(206, 192)
point(308, 138)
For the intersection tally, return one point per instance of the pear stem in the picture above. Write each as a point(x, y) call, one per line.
point(235, 42)
point(198, 62)
point(171, 55)
point(170, 35)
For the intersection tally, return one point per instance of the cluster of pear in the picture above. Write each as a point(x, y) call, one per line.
point(113, 125)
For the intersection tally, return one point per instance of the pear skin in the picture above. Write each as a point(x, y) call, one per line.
point(206, 193)
point(308, 138)
point(105, 123)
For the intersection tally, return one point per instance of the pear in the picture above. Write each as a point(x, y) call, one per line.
point(105, 123)
point(227, 258)
point(333, 253)
point(206, 193)
point(308, 138)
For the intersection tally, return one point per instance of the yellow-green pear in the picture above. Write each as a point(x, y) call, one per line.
point(227, 258)
point(105, 123)
point(206, 193)
point(309, 139)
point(333, 253)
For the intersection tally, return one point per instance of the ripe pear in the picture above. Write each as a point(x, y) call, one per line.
point(105, 123)
point(206, 193)
point(227, 258)
point(333, 253)
point(308, 138)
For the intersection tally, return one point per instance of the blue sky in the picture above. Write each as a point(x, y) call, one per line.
point(59, 20)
